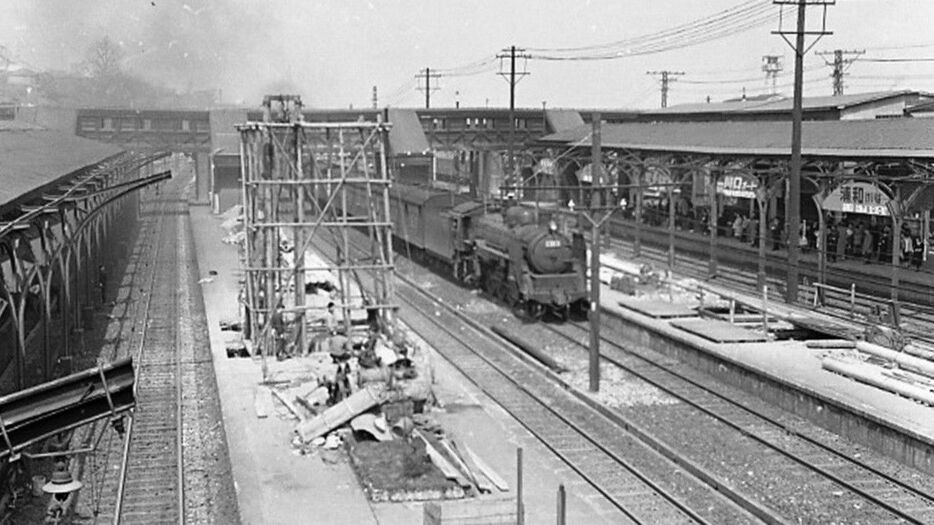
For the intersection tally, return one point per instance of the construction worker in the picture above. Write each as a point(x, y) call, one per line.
point(279, 332)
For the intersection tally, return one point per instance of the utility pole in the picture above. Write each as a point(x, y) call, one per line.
point(667, 76)
point(793, 202)
point(375, 98)
point(513, 77)
point(600, 210)
point(840, 65)
point(428, 75)
point(772, 66)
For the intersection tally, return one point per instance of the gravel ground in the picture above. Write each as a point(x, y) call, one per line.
point(772, 479)
point(210, 496)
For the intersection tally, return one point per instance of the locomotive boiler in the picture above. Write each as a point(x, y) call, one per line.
point(530, 265)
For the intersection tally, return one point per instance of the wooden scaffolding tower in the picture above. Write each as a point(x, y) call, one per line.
point(297, 180)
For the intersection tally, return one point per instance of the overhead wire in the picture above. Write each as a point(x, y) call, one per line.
point(715, 18)
point(734, 21)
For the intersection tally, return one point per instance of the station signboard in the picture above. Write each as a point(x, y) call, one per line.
point(857, 197)
point(737, 186)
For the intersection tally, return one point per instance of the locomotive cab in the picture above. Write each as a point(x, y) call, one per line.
point(463, 246)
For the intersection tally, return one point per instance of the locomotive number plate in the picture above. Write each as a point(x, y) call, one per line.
point(552, 244)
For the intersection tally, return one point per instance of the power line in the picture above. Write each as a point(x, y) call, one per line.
point(924, 59)
point(727, 23)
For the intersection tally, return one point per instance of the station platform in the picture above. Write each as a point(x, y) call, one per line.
point(275, 484)
point(785, 372)
point(915, 285)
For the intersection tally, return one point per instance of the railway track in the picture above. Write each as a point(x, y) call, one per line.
point(152, 487)
point(639, 481)
point(840, 487)
point(149, 487)
point(643, 484)
point(895, 491)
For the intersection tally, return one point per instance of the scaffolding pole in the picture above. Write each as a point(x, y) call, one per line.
point(298, 181)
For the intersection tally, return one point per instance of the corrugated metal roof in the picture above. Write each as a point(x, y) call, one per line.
point(406, 137)
point(31, 159)
point(785, 104)
point(224, 136)
point(891, 138)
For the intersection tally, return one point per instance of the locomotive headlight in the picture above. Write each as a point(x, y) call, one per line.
point(552, 226)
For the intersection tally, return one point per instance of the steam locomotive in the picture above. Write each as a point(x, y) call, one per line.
point(509, 250)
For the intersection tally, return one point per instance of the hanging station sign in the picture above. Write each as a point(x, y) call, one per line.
point(741, 186)
point(857, 197)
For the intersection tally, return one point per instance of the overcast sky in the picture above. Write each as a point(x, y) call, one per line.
point(333, 51)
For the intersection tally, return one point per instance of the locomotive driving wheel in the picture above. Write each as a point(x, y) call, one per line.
point(536, 310)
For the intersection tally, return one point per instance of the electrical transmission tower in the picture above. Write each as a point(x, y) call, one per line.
point(428, 75)
point(840, 65)
point(666, 77)
point(772, 66)
point(512, 77)
point(793, 202)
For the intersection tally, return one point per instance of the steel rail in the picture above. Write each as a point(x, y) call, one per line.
point(159, 230)
point(670, 390)
point(752, 508)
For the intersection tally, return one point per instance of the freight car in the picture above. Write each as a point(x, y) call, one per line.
point(505, 250)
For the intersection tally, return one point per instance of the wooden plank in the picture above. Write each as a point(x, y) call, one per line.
point(487, 470)
point(457, 459)
point(483, 483)
point(262, 402)
point(288, 404)
point(449, 470)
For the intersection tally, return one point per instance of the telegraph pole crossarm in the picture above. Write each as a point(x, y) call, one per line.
point(666, 78)
point(428, 75)
point(840, 65)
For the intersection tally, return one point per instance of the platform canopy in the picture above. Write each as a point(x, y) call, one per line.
point(32, 159)
point(902, 138)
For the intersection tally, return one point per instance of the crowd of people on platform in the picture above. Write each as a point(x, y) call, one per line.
point(853, 236)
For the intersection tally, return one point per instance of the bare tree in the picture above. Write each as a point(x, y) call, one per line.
point(103, 59)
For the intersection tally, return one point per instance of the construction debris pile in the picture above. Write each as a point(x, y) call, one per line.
point(371, 395)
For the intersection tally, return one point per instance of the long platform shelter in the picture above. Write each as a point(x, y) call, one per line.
point(62, 198)
point(879, 172)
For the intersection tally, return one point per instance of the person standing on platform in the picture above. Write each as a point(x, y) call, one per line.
point(907, 246)
point(775, 229)
point(917, 252)
point(842, 240)
point(857, 246)
point(885, 244)
point(868, 244)
point(738, 226)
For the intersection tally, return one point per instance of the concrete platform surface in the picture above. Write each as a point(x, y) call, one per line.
point(719, 331)
point(274, 485)
point(659, 309)
point(792, 363)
